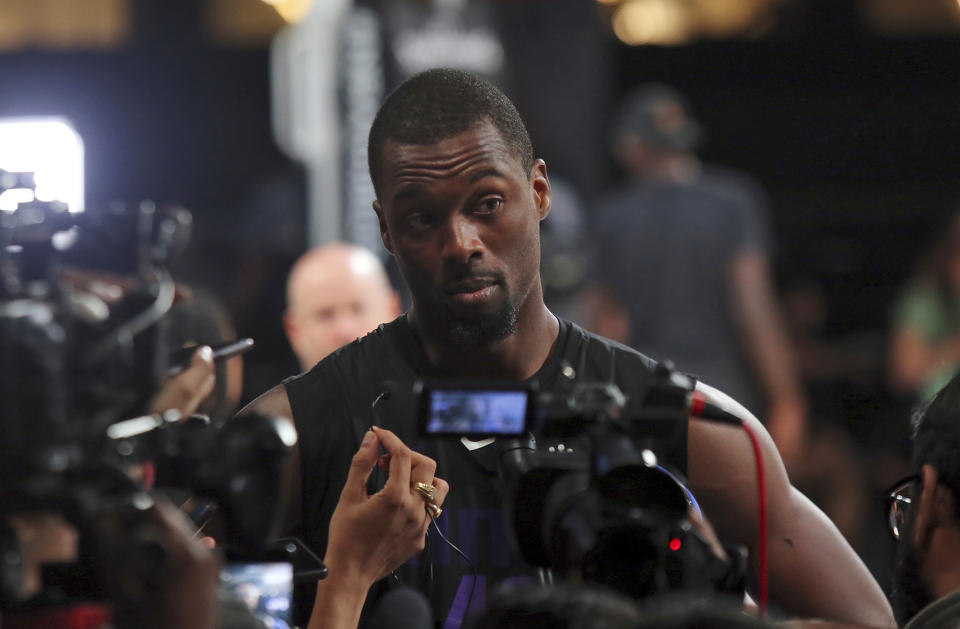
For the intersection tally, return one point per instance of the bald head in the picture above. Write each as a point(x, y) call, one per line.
point(335, 293)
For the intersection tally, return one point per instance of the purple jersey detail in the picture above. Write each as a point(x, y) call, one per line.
point(467, 597)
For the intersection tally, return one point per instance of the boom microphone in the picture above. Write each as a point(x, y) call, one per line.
point(401, 606)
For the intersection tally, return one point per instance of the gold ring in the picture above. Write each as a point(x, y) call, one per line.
point(427, 491)
point(433, 510)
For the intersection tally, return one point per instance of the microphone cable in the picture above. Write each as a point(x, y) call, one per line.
point(762, 520)
point(385, 391)
point(473, 567)
point(703, 409)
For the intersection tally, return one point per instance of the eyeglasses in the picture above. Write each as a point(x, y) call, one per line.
point(898, 500)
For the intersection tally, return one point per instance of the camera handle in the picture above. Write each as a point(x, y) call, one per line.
point(515, 456)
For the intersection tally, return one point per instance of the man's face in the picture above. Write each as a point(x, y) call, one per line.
point(332, 304)
point(462, 219)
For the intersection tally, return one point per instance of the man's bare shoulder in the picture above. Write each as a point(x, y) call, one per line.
point(272, 403)
point(275, 403)
point(813, 571)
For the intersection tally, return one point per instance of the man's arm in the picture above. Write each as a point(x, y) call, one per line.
point(275, 403)
point(813, 571)
point(760, 324)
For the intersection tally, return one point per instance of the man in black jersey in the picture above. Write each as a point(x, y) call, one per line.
point(460, 198)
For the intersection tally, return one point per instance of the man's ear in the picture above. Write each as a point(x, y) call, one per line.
point(542, 193)
point(934, 507)
point(628, 151)
point(291, 328)
point(384, 232)
point(396, 304)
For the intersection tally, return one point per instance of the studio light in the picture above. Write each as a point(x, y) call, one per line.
point(49, 147)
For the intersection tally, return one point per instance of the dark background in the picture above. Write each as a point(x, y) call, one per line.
point(855, 139)
point(854, 135)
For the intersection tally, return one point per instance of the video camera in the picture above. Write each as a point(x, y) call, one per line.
point(83, 297)
point(586, 494)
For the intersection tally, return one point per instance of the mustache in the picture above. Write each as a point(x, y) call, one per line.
point(469, 279)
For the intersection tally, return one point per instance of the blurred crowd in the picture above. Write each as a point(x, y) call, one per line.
point(681, 261)
point(679, 258)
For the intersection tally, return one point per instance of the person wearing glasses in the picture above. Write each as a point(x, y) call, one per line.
point(923, 512)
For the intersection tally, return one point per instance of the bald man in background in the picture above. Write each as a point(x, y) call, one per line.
point(335, 294)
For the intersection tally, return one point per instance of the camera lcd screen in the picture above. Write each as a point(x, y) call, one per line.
point(476, 412)
point(266, 589)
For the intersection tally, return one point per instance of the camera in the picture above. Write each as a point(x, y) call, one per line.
point(587, 495)
point(475, 409)
point(82, 346)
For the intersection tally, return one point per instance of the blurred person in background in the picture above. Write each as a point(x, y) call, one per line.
point(925, 336)
point(683, 266)
point(923, 513)
point(182, 594)
point(370, 535)
point(565, 250)
point(200, 319)
point(840, 373)
point(588, 606)
point(335, 294)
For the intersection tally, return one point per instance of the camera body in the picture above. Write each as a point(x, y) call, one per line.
point(586, 494)
point(83, 298)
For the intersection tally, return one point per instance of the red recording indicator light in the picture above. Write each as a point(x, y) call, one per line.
point(676, 544)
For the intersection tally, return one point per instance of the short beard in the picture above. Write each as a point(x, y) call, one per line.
point(470, 334)
point(910, 594)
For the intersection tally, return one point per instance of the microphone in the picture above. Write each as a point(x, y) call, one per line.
point(385, 391)
point(401, 605)
point(672, 389)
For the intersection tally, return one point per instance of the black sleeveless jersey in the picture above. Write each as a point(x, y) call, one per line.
point(332, 410)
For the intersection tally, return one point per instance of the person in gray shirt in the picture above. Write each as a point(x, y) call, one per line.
point(682, 270)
